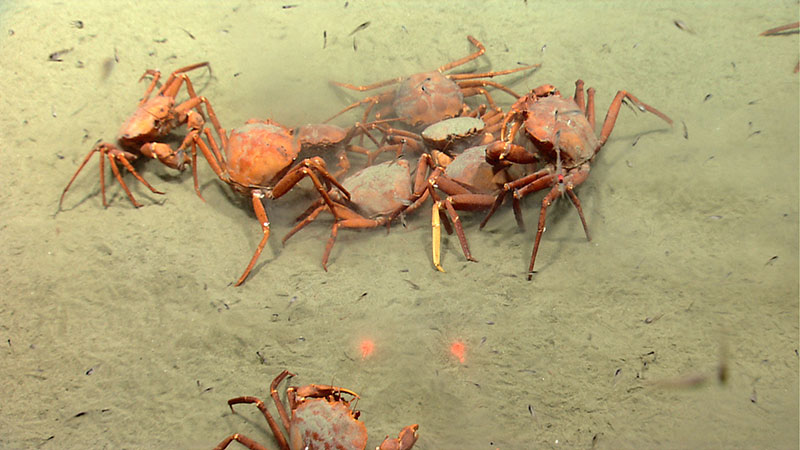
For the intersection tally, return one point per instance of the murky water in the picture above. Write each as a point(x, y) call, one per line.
point(123, 329)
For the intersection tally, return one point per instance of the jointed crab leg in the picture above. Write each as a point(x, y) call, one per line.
point(574, 178)
point(173, 84)
point(153, 118)
point(276, 431)
point(481, 50)
point(114, 154)
point(293, 177)
point(273, 392)
point(244, 439)
point(467, 82)
point(313, 168)
point(460, 62)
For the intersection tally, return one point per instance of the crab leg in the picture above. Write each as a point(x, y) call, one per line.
point(113, 154)
point(485, 83)
point(351, 222)
point(273, 392)
point(476, 91)
point(530, 183)
point(468, 76)
point(211, 114)
point(590, 107)
point(613, 111)
point(460, 198)
point(404, 441)
point(96, 148)
point(288, 181)
point(122, 159)
point(156, 75)
point(242, 439)
point(270, 420)
point(374, 100)
point(481, 50)
point(261, 214)
point(173, 83)
point(574, 178)
point(585, 104)
point(503, 153)
point(389, 95)
point(321, 391)
point(214, 159)
point(461, 202)
point(318, 206)
point(422, 186)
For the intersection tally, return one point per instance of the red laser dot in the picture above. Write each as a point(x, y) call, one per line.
point(367, 346)
point(459, 350)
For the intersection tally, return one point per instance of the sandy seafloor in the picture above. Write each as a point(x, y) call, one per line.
point(120, 327)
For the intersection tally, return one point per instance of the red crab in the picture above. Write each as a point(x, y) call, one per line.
point(562, 131)
point(326, 138)
point(258, 160)
point(321, 418)
point(428, 97)
point(470, 184)
point(376, 192)
point(153, 119)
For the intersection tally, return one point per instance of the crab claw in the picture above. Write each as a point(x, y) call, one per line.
point(165, 154)
point(321, 391)
point(408, 437)
point(501, 152)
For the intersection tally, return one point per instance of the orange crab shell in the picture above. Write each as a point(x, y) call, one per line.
point(450, 134)
point(148, 121)
point(427, 98)
point(548, 115)
point(321, 424)
point(260, 152)
point(320, 135)
point(471, 168)
point(380, 189)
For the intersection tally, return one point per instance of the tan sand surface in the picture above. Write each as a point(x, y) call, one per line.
point(120, 328)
